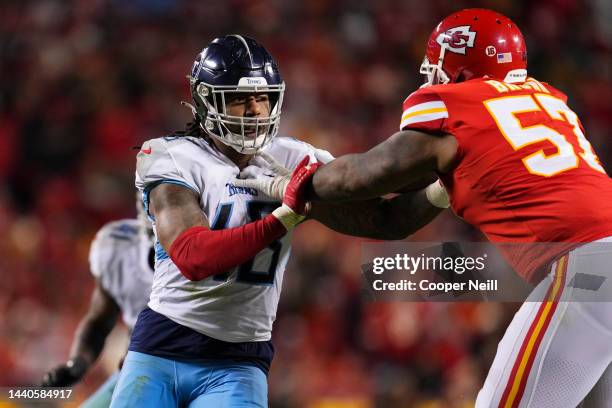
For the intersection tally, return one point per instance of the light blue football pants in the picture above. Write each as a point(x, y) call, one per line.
point(150, 381)
point(102, 397)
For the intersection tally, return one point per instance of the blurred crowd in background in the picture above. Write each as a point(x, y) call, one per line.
point(84, 81)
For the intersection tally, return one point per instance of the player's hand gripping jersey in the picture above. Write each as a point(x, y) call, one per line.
point(524, 170)
point(240, 305)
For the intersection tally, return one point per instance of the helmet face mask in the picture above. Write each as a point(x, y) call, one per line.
point(230, 66)
point(245, 134)
point(475, 43)
point(434, 74)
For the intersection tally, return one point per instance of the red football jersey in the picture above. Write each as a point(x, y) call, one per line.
point(524, 172)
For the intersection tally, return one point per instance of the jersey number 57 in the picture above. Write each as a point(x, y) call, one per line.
point(504, 111)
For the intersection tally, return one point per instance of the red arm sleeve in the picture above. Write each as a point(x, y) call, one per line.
point(199, 252)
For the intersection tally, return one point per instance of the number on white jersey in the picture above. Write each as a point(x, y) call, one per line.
point(246, 272)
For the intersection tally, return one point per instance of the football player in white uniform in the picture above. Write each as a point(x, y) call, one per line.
point(221, 250)
point(121, 260)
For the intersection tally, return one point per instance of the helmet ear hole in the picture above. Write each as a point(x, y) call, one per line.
point(201, 110)
point(202, 90)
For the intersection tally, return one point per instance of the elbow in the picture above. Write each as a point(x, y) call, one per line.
point(190, 276)
point(194, 272)
point(188, 272)
point(195, 276)
point(185, 267)
point(185, 256)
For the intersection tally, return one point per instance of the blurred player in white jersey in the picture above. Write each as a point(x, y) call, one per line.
point(221, 250)
point(121, 260)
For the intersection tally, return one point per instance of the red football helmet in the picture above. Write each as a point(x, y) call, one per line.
point(473, 43)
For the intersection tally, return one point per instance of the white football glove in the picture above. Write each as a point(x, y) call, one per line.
point(272, 186)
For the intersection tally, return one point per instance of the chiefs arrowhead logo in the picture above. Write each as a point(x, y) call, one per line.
point(457, 39)
point(146, 151)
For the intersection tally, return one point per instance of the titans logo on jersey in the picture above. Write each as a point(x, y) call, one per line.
point(239, 305)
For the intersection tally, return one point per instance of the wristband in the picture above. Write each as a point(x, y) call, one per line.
point(437, 195)
point(287, 216)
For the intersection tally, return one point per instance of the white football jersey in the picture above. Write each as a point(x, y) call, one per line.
point(240, 305)
point(119, 259)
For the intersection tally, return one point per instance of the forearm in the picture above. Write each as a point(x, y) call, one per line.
point(358, 218)
point(404, 158)
point(89, 339)
point(400, 160)
point(387, 219)
point(199, 252)
point(346, 178)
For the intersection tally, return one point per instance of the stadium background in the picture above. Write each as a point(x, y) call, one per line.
point(81, 82)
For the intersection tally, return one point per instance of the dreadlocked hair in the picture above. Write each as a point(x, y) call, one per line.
point(192, 128)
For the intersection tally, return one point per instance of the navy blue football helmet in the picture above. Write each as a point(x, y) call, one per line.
point(236, 64)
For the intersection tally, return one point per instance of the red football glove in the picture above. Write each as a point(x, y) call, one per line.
point(293, 210)
point(192, 251)
point(294, 192)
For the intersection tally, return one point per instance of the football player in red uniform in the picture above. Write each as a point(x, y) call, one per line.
point(516, 164)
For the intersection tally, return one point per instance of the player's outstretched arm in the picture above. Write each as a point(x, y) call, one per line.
point(379, 218)
point(88, 340)
point(200, 252)
point(405, 157)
